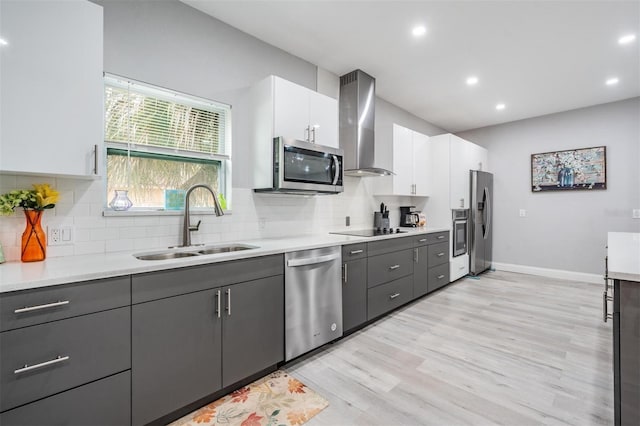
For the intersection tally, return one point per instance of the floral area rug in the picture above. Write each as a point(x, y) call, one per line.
point(275, 400)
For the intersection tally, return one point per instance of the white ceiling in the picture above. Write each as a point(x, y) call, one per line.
point(537, 57)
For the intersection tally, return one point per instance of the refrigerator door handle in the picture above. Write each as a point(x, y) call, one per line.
point(486, 214)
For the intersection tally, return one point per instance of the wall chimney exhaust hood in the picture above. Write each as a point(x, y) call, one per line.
point(357, 121)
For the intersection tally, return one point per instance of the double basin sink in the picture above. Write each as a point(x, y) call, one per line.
point(195, 251)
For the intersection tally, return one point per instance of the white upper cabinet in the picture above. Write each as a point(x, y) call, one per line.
point(410, 165)
point(459, 156)
point(282, 108)
point(303, 114)
point(51, 88)
point(421, 164)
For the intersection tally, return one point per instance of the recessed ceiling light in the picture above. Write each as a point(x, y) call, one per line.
point(3, 42)
point(500, 107)
point(612, 81)
point(418, 31)
point(472, 80)
point(627, 39)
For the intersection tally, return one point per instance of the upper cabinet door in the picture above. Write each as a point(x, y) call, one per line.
point(459, 173)
point(291, 110)
point(323, 119)
point(421, 164)
point(52, 88)
point(402, 161)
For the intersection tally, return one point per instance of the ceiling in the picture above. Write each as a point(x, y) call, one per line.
point(536, 57)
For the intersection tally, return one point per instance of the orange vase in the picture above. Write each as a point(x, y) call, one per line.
point(34, 241)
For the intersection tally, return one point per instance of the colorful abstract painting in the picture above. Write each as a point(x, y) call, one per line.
point(583, 168)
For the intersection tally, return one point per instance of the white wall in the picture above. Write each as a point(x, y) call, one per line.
point(563, 230)
point(170, 44)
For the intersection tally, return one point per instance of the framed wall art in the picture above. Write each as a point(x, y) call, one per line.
point(574, 169)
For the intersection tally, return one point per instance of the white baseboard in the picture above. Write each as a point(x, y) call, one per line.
point(551, 273)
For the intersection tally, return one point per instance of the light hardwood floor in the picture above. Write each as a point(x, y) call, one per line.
point(506, 348)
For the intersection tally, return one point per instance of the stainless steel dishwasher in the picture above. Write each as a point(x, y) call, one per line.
point(313, 299)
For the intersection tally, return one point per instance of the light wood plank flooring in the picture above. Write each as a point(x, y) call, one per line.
point(506, 348)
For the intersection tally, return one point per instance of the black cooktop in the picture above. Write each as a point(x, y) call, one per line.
point(370, 232)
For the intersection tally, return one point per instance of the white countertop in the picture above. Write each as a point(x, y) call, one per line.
point(61, 270)
point(623, 251)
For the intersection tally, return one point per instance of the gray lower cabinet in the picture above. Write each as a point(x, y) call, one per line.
point(420, 271)
point(252, 328)
point(176, 353)
point(186, 347)
point(65, 354)
point(105, 402)
point(354, 294)
point(431, 262)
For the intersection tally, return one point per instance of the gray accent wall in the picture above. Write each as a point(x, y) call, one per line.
point(563, 230)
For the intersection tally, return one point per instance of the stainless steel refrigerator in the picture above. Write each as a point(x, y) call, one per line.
point(480, 234)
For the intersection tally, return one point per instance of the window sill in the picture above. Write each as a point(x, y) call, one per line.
point(129, 213)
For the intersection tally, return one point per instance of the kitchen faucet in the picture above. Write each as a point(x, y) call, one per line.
point(187, 227)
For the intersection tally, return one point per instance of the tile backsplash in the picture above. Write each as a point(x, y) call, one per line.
point(253, 216)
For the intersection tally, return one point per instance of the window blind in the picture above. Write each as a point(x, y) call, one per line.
point(143, 115)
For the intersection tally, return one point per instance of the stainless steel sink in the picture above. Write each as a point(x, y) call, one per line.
point(225, 249)
point(165, 256)
point(200, 251)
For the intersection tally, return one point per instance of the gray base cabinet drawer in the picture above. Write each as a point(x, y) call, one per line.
point(376, 248)
point(438, 276)
point(106, 402)
point(97, 345)
point(354, 252)
point(438, 254)
point(386, 297)
point(388, 267)
point(37, 306)
point(437, 237)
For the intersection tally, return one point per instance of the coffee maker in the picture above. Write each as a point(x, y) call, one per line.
point(409, 217)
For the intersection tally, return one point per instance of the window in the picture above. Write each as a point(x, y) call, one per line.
point(160, 143)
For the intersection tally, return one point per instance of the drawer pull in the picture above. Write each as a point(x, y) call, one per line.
point(27, 367)
point(441, 237)
point(38, 307)
point(391, 268)
point(440, 277)
point(356, 251)
point(440, 254)
point(393, 296)
point(422, 240)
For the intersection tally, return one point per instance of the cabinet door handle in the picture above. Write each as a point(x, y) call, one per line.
point(307, 136)
point(441, 237)
point(393, 296)
point(440, 254)
point(27, 367)
point(218, 303)
point(313, 132)
point(345, 273)
point(38, 307)
point(228, 291)
point(356, 251)
point(95, 159)
point(415, 255)
point(394, 267)
point(440, 277)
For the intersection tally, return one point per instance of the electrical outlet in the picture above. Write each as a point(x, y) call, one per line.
point(635, 214)
point(261, 223)
point(523, 213)
point(59, 235)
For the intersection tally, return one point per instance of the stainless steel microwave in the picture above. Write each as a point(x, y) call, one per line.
point(301, 167)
